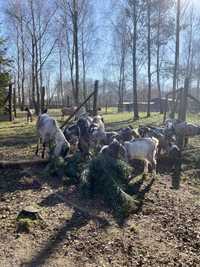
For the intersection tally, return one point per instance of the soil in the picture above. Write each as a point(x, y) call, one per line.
point(164, 232)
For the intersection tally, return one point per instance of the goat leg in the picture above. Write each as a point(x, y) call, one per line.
point(37, 149)
point(146, 165)
point(43, 150)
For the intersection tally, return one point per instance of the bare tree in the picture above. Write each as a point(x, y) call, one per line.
point(175, 75)
point(76, 49)
point(149, 54)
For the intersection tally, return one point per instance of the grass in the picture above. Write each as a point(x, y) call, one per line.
point(20, 134)
point(19, 127)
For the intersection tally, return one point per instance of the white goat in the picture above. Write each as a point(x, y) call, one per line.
point(144, 149)
point(98, 120)
point(49, 132)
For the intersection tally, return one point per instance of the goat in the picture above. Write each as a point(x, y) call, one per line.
point(127, 134)
point(102, 137)
point(84, 124)
point(187, 129)
point(29, 115)
point(99, 121)
point(183, 131)
point(97, 131)
point(72, 134)
point(49, 132)
point(161, 134)
point(144, 149)
point(114, 149)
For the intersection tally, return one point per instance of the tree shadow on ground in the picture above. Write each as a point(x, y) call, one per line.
point(137, 189)
point(77, 221)
point(12, 180)
point(19, 141)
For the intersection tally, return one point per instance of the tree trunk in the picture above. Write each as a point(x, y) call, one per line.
point(134, 61)
point(84, 71)
point(75, 33)
point(183, 100)
point(14, 102)
point(35, 85)
point(176, 65)
point(18, 71)
point(37, 78)
point(96, 85)
point(33, 78)
point(149, 56)
point(123, 85)
point(10, 102)
point(158, 60)
point(61, 79)
point(183, 103)
point(120, 89)
point(23, 63)
point(198, 89)
point(42, 99)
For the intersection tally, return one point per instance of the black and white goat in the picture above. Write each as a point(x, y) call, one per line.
point(114, 150)
point(50, 134)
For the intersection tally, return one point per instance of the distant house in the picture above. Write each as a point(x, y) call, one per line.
point(142, 106)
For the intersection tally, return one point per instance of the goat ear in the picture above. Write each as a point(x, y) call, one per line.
point(102, 119)
point(130, 126)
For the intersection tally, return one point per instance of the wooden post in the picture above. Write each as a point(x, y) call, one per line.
point(106, 107)
point(78, 108)
point(95, 110)
point(10, 102)
point(183, 103)
point(165, 109)
point(68, 102)
point(42, 99)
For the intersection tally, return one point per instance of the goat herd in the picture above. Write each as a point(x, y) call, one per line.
point(87, 134)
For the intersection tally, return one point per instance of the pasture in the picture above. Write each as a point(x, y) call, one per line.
point(163, 232)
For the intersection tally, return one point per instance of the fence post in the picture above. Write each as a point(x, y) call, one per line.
point(68, 101)
point(96, 85)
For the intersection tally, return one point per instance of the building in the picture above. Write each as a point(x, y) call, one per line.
point(142, 106)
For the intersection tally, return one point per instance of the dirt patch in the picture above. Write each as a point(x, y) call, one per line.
point(166, 231)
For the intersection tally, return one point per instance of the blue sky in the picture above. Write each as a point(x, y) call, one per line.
point(103, 15)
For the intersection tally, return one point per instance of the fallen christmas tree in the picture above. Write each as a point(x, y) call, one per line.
point(103, 176)
point(108, 178)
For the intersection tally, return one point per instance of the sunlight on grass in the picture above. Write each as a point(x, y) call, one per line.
point(19, 127)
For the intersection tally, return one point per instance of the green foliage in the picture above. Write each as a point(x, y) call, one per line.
point(74, 166)
point(107, 177)
point(4, 76)
point(4, 80)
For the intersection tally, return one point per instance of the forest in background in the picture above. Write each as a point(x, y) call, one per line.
point(137, 49)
